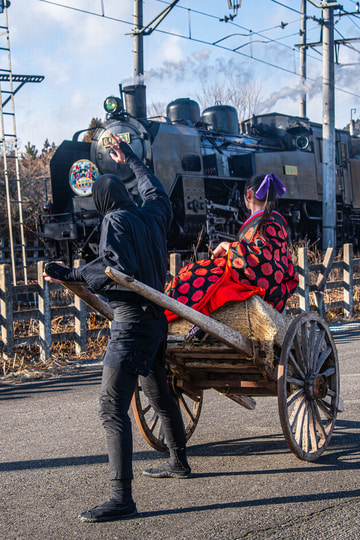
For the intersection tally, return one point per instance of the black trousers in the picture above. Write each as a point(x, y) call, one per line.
point(117, 388)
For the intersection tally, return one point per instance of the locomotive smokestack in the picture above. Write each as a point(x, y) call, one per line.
point(135, 100)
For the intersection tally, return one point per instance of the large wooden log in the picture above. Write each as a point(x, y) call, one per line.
point(90, 299)
point(215, 328)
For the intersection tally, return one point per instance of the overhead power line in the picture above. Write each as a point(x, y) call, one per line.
point(209, 43)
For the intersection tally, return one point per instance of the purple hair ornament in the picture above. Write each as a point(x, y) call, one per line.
point(265, 185)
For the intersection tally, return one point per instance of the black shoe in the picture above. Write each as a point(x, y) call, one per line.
point(168, 470)
point(109, 511)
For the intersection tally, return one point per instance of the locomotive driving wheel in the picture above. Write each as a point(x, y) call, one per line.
point(308, 386)
point(149, 423)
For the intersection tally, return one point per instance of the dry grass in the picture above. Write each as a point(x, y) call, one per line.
point(26, 363)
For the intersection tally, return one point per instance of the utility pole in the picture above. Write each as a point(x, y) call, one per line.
point(138, 42)
point(140, 31)
point(328, 123)
point(328, 130)
point(303, 59)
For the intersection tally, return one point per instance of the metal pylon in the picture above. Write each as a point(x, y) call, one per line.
point(10, 150)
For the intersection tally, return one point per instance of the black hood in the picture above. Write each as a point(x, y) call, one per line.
point(109, 193)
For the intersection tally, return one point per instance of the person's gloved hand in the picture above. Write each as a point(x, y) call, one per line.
point(62, 273)
point(120, 150)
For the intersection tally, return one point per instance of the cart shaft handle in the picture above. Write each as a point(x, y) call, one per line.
point(220, 331)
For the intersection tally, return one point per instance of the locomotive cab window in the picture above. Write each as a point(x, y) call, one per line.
point(191, 162)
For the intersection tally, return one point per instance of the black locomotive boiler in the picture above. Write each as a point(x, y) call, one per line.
point(203, 160)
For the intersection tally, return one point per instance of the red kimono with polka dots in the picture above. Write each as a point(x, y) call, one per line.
point(259, 263)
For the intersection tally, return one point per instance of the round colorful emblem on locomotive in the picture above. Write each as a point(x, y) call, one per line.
point(83, 174)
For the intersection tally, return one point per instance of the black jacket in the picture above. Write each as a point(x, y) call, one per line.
point(133, 239)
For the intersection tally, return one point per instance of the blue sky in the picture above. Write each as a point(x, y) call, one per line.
point(84, 57)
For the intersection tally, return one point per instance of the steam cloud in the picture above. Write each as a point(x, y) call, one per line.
point(196, 66)
point(310, 87)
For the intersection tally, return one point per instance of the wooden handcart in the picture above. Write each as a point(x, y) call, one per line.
point(251, 350)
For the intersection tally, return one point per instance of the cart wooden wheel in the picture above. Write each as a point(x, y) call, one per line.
point(149, 423)
point(308, 386)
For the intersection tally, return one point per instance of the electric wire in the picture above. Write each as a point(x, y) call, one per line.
point(204, 42)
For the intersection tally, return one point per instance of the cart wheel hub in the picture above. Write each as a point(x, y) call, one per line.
point(316, 386)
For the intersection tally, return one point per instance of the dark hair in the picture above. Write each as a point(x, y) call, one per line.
point(270, 198)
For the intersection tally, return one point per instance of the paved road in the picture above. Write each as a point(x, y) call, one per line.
point(247, 484)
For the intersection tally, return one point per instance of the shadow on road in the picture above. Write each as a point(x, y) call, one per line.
point(334, 495)
point(61, 384)
point(343, 453)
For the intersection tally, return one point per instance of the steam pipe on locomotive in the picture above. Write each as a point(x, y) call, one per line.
point(203, 161)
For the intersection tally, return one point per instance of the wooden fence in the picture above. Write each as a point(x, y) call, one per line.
point(314, 281)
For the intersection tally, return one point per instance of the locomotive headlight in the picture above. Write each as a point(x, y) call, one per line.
point(302, 142)
point(113, 105)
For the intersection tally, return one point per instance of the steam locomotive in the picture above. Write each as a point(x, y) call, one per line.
point(203, 161)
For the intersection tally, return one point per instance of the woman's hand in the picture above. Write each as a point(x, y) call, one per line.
point(221, 250)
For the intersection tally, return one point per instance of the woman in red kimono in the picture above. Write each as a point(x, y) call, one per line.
point(258, 263)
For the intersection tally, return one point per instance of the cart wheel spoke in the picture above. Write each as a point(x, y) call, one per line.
point(294, 396)
point(321, 360)
point(318, 344)
point(305, 431)
point(298, 369)
point(293, 419)
point(325, 409)
point(319, 424)
point(308, 386)
point(305, 343)
point(328, 372)
point(149, 422)
point(146, 410)
point(312, 429)
point(299, 353)
point(295, 381)
point(152, 423)
point(312, 338)
point(184, 406)
point(299, 422)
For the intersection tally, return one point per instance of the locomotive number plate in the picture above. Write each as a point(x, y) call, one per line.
point(291, 170)
point(124, 136)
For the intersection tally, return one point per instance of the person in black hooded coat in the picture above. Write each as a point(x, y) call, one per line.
point(133, 240)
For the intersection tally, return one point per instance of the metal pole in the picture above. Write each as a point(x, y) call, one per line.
point(303, 58)
point(352, 123)
point(328, 131)
point(138, 43)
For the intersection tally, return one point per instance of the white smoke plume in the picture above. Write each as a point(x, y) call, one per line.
point(198, 66)
point(309, 87)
